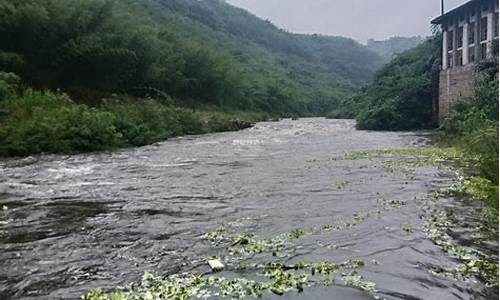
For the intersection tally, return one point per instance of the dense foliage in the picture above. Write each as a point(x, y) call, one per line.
point(400, 96)
point(205, 52)
point(390, 48)
point(42, 121)
point(83, 75)
point(474, 123)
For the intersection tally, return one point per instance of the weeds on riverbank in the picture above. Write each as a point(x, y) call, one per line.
point(33, 122)
point(473, 263)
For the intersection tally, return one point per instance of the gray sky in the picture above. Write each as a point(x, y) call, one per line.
point(358, 19)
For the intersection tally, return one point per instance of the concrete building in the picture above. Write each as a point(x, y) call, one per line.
point(470, 35)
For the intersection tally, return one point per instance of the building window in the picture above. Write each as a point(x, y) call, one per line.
point(484, 29)
point(496, 24)
point(450, 60)
point(495, 48)
point(472, 54)
point(450, 40)
point(460, 37)
point(484, 47)
point(472, 33)
point(459, 58)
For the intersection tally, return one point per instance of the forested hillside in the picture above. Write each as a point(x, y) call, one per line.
point(194, 51)
point(400, 95)
point(393, 46)
point(83, 75)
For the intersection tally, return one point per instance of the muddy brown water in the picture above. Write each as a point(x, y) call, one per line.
point(102, 219)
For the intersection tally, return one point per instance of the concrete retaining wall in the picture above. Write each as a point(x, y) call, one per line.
point(454, 84)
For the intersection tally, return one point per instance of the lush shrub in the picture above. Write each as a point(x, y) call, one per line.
point(347, 109)
point(8, 85)
point(483, 142)
point(43, 121)
point(48, 122)
point(143, 122)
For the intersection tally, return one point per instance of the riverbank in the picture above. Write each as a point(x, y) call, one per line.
point(33, 122)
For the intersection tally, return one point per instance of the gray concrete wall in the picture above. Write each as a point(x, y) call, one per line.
point(455, 84)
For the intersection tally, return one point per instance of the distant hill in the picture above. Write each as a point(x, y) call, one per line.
point(394, 45)
point(196, 51)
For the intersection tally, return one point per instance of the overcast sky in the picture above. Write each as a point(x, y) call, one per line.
point(358, 19)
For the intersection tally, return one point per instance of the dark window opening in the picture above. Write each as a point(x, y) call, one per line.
point(472, 33)
point(484, 29)
point(450, 40)
point(460, 37)
point(459, 58)
point(496, 25)
point(484, 50)
point(472, 54)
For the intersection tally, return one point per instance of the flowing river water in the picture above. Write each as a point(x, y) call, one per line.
point(78, 222)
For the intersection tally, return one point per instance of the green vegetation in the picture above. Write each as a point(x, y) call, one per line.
point(390, 48)
point(276, 278)
point(400, 96)
point(473, 126)
point(196, 51)
point(186, 54)
point(44, 121)
point(474, 123)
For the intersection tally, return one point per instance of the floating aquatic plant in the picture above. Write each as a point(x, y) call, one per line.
point(276, 278)
point(474, 263)
point(408, 228)
point(342, 184)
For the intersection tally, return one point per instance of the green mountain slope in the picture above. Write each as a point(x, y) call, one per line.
point(198, 52)
point(400, 95)
point(393, 46)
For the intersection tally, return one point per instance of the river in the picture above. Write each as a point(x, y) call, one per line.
point(101, 219)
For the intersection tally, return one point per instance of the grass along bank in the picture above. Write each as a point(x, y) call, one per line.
point(33, 121)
